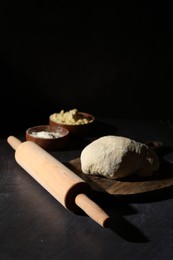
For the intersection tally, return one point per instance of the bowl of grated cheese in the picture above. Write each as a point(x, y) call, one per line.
point(48, 138)
point(78, 123)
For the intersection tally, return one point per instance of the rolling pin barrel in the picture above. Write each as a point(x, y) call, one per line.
point(63, 184)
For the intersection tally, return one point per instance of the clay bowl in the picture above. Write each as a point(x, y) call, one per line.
point(75, 129)
point(47, 138)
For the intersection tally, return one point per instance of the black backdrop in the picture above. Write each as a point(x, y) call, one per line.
point(114, 62)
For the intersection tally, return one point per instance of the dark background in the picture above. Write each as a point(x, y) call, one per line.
point(113, 62)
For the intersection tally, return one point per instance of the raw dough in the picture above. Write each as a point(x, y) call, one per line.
point(115, 157)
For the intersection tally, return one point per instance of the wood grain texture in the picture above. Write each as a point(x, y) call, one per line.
point(130, 185)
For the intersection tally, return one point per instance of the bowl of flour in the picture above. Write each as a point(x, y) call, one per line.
point(48, 138)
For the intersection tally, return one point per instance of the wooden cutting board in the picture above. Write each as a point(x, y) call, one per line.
point(130, 185)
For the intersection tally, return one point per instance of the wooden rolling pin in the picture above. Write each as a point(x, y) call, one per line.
point(63, 184)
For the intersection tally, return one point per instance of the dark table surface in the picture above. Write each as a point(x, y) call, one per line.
point(34, 225)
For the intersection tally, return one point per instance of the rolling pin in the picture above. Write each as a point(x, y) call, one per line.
point(62, 183)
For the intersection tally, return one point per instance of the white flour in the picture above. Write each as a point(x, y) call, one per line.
point(44, 134)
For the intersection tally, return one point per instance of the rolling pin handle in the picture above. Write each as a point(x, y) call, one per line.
point(92, 209)
point(14, 142)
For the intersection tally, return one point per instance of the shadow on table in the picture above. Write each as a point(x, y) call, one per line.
point(117, 210)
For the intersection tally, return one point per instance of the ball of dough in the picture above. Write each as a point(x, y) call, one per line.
point(115, 157)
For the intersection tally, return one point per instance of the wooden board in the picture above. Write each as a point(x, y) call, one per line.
point(129, 185)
